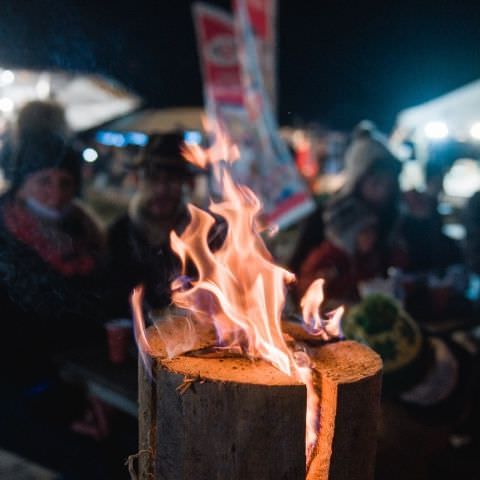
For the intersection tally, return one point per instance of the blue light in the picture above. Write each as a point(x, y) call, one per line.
point(111, 139)
point(192, 137)
point(136, 138)
point(117, 139)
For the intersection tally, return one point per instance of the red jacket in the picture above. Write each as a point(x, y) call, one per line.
point(342, 272)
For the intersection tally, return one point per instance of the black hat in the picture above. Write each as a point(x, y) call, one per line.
point(163, 152)
point(44, 150)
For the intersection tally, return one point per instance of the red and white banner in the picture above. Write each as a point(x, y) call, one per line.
point(236, 96)
point(263, 17)
point(218, 56)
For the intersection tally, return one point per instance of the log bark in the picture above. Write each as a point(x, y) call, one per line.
point(218, 418)
point(348, 380)
point(228, 418)
point(146, 419)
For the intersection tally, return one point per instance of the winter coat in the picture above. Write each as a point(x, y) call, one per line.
point(134, 261)
point(471, 217)
point(342, 271)
point(50, 285)
point(420, 227)
point(140, 254)
point(367, 152)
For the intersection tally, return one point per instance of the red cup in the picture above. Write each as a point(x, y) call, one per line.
point(119, 335)
point(440, 296)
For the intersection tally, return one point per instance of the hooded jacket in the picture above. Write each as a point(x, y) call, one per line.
point(367, 153)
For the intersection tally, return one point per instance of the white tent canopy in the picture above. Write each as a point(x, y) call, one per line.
point(89, 100)
point(458, 109)
point(159, 120)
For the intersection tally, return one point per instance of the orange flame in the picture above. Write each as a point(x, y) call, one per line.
point(246, 287)
point(237, 287)
point(220, 150)
point(311, 302)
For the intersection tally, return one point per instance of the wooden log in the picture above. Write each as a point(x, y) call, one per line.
point(348, 380)
point(228, 418)
point(146, 419)
point(231, 418)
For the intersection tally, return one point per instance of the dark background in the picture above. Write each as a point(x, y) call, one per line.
point(339, 61)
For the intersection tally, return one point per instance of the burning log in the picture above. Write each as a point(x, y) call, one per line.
point(348, 380)
point(218, 415)
point(290, 406)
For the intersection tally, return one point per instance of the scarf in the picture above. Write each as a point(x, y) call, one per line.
point(66, 255)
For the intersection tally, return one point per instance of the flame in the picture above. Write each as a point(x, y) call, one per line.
point(221, 150)
point(311, 302)
point(246, 287)
point(238, 288)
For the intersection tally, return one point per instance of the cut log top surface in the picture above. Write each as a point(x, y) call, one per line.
point(341, 362)
point(236, 370)
point(346, 361)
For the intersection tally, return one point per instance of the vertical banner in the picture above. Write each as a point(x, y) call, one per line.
point(218, 57)
point(262, 15)
point(236, 97)
point(223, 90)
point(285, 194)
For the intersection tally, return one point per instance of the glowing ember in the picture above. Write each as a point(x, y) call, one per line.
point(237, 288)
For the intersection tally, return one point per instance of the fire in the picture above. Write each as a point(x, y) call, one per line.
point(311, 303)
point(238, 288)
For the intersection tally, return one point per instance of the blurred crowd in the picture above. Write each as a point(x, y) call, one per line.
point(382, 252)
point(411, 293)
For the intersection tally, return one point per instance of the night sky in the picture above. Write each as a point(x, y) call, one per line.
point(338, 61)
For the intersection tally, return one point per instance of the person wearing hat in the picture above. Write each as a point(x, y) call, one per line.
point(35, 117)
point(139, 241)
point(51, 256)
point(51, 246)
point(371, 178)
point(350, 253)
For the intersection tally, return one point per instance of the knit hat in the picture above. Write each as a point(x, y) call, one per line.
point(44, 150)
point(163, 152)
point(416, 369)
point(344, 220)
point(41, 116)
point(368, 150)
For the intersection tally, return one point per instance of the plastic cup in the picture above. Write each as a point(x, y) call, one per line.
point(119, 335)
point(440, 296)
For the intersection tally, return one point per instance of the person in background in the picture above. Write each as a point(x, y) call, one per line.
point(34, 118)
point(371, 178)
point(350, 254)
point(435, 278)
point(138, 241)
point(51, 248)
point(471, 220)
point(51, 263)
point(421, 224)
